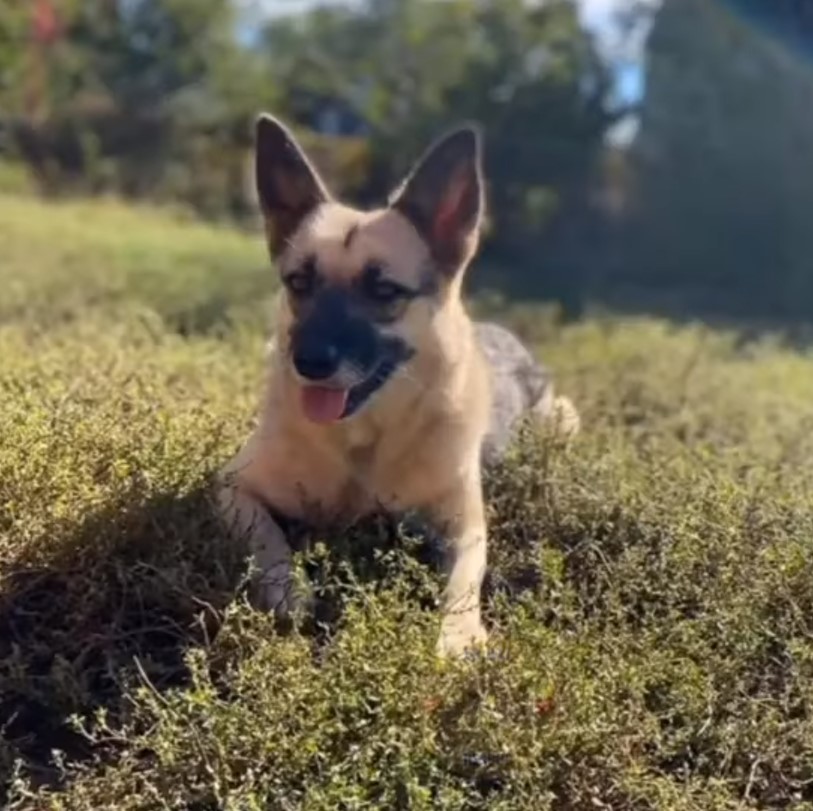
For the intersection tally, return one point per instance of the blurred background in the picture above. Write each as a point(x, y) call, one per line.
point(643, 156)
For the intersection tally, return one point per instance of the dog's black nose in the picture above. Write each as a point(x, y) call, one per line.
point(317, 362)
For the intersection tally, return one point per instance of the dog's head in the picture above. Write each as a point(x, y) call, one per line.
point(364, 289)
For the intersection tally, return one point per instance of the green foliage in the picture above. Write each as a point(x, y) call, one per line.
point(14, 179)
point(152, 99)
point(60, 259)
point(724, 148)
point(155, 100)
point(705, 215)
point(14, 29)
point(411, 69)
point(649, 594)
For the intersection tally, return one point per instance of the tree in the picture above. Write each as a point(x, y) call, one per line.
point(411, 68)
point(723, 161)
point(144, 96)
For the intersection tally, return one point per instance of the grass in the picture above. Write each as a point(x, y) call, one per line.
point(650, 589)
point(60, 260)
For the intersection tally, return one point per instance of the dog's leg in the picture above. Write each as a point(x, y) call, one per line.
point(246, 517)
point(462, 517)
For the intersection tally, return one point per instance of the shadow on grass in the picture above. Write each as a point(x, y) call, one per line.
point(135, 586)
point(135, 583)
point(125, 597)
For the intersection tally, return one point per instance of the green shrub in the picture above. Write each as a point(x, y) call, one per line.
point(649, 594)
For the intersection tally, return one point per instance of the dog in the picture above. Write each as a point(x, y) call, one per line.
point(381, 391)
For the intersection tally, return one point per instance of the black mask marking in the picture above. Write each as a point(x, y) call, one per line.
point(333, 333)
point(394, 353)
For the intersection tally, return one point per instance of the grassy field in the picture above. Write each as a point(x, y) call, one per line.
point(650, 599)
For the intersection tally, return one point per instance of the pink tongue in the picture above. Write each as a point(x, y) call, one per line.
point(322, 404)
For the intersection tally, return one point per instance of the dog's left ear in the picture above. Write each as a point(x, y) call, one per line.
point(443, 197)
point(288, 186)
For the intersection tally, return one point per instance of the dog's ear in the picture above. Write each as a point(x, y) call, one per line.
point(289, 187)
point(443, 197)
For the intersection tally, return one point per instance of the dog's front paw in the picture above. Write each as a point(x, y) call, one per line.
point(276, 591)
point(459, 634)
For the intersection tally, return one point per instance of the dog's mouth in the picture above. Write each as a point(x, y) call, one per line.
point(330, 404)
point(327, 404)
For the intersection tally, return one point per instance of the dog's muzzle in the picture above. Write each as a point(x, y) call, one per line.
point(325, 399)
point(341, 358)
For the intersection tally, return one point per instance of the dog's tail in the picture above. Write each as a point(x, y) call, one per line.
point(559, 414)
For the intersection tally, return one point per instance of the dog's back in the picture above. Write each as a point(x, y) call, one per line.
point(521, 386)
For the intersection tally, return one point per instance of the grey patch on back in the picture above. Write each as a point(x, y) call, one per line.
point(519, 382)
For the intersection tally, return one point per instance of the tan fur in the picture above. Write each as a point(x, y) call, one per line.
point(415, 446)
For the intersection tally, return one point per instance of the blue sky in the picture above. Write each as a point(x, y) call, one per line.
point(624, 52)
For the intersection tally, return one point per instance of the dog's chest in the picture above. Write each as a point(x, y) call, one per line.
point(377, 475)
point(367, 487)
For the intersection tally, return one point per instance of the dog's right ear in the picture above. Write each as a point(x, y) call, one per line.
point(443, 197)
point(289, 187)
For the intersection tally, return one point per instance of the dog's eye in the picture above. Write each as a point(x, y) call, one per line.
point(387, 296)
point(382, 291)
point(299, 284)
point(302, 283)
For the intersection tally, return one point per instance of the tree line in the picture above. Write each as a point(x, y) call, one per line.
point(704, 213)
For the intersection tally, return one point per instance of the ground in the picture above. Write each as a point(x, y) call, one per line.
point(650, 596)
